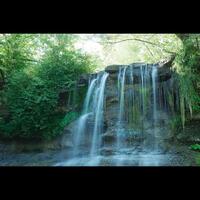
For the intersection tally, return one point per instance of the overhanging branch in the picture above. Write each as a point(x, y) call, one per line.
point(140, 40)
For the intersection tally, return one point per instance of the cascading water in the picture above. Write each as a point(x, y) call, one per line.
point(134, 102)
point(140, 100)
point(98, 125)
point(89, 95)
point(92, 110)
point(121, 84)
point(154, 79)
point(79, 136)
point(142, 88)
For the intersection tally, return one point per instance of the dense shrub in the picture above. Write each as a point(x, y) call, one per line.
point(187, 65)
point(32, 96)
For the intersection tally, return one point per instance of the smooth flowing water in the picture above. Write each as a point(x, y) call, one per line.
point(135, 104)
point(143, 103)
point(121, 84)
point(81, 124)
point(154, 79)
point(92, 111)
point(98, 124)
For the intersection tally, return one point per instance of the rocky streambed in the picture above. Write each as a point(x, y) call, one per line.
point(170, 151)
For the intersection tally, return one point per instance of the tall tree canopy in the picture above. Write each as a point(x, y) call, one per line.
point(35, 70)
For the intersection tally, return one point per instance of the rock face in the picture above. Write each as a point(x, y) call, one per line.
point(109, 138)
point(191, 134)
point(164, 71)
point(111, 104)
point(62, 142)
point(112, 100)
point(105, 151)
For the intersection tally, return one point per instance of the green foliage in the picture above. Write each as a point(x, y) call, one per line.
point(187, 67)
point(176, 123)
point(15, 51)
point(69, 117)
point(129, 48)
point(195, 147)
point(31, 105)
point(31, 94)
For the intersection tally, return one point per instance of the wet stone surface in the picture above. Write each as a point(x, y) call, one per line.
point(138, 155)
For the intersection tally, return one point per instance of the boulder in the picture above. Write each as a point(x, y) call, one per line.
point(191, 134)
point(109, 137)
point(113, 68)
point(106, 151)
point(188, 139)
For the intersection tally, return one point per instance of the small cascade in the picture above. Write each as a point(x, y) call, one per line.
point(154, 80)
point(134, 100)
point(92, 111)
point(81, 124)
point(121, 117)
point(98, 124)
point(89, 96)
point(144, 79)
point(79, 136)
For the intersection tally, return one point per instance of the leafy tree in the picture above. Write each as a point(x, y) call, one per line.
point(32, 92)
point(15, 52)
point(129, 48)
point(188, 69)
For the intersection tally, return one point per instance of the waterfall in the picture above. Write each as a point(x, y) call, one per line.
point(154, 79)
point(136, 103)
point(98, 125)
point(92, 111)
point(81, 124)
point(142, 88)
point(88, 96)
point(121, 84)
point(79, 136)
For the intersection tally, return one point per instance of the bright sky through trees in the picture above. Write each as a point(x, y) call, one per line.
point(128, 48)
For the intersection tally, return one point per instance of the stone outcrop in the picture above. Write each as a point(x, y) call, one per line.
point(164, 70)
point(111, 104)
point(62, 142)
point(112, 100)
point(190, 134)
